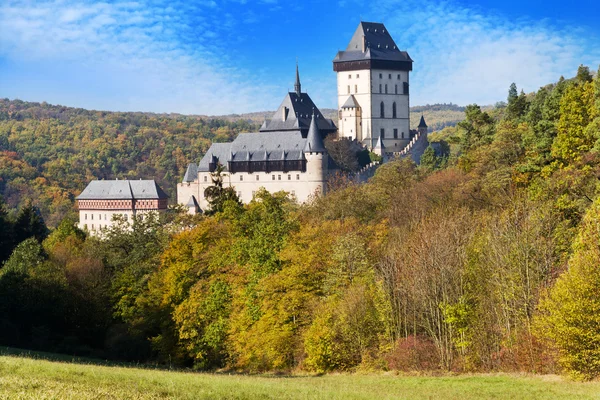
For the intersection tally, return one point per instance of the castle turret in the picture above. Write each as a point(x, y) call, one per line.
point(422, 128)
point(316, 158)
point(379, 147)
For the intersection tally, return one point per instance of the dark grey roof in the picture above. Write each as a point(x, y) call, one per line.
point(122, 190)
point(219, 151)
point(372, 41)
point(422, 123)
point(314, 141)
point(351, 102)
point(256, 146)
point(294, 115)
point(191, 174)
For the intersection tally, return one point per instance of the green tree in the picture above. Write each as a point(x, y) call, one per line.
point(217, 195)
point(570, 313)
point(29, 223)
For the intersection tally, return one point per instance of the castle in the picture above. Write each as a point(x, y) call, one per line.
point(288, 152)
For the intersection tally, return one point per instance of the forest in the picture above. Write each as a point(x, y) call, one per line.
point(483, 260)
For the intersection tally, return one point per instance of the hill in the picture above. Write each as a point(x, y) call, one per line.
point(438, 116)
point(48, 153)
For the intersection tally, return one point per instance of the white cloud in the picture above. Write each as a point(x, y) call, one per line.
point(150, 57)
point(464, 56)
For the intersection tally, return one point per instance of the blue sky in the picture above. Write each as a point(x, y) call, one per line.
point(217, 57)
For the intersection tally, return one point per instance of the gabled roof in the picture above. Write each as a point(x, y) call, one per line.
point(351, 102)
point(294, 114)
point(372, 41)
point(122, 190)
point(422, 123)
point(314, 141)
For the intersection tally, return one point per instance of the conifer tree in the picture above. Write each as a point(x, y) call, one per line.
point(29, 223)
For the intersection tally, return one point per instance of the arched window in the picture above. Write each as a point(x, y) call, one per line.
point(382, 110)
point(394, 110)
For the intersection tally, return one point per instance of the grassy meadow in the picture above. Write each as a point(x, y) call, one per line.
point(24, 377)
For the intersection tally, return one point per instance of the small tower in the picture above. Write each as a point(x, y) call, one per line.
point(379, 148)
point(317, 159)
point(422, 128)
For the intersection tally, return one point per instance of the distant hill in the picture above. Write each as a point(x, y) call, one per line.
point(437, 116)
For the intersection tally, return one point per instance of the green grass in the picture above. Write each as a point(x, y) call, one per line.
point(29, 378)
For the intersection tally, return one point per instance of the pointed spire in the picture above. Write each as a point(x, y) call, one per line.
point(379, 145)
point(297, 86)
point(314, 142)
point(422, 123)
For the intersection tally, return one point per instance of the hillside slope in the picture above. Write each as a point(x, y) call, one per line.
point(48, 153)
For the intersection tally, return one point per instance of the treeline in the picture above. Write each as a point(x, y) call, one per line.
point(49, 153)
point(487, 260)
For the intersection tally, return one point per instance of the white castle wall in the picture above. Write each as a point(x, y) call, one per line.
point(301, 185)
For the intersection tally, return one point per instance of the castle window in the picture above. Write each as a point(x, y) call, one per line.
point(382, 132)
point(239, 194)
point(125, 215)
point(85, 216)
point(273, 177)
point(380, 91)
point(380, 76)
point(355, 88)
point(381, 110)
point(398, 76)
point(390, 76)
point(279, 176)
point(93, 227)
point(386, 88)
point(92, 217)
point(349, 76)
point(348, 89)
point(206, 179)
point(395, 133)
point(297, 177)
point(396, 89)
point(402, 135)
point(357, 76)
point(241, 177)
point(289, 177)
point(394, 110)
point(405, 87)
point(257, 177)
point(293, 192)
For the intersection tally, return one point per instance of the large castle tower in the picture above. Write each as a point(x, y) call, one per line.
point(373, 89)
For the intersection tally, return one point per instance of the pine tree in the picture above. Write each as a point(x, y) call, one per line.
point(29, 223)
point(217, 195)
